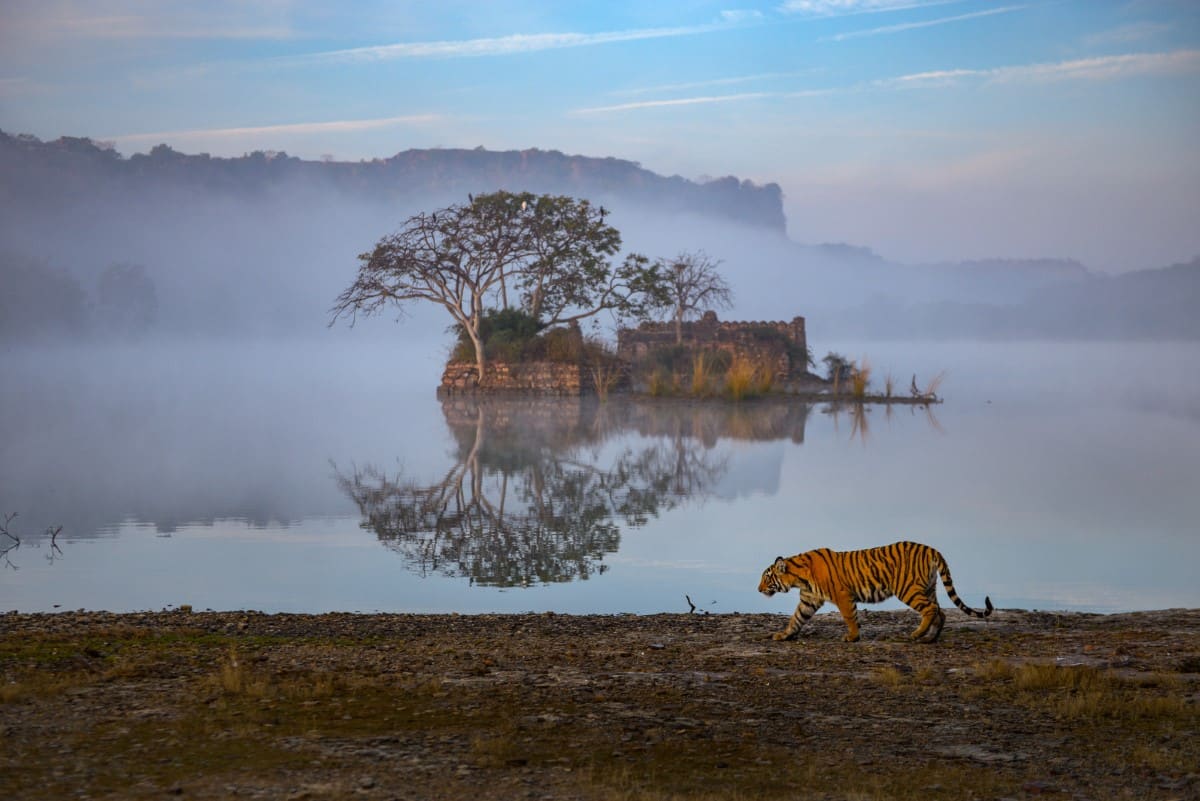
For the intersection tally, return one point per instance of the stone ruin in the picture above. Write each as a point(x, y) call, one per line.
point(783, 344)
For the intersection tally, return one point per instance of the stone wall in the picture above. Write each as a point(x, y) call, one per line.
point(533, 378)
point(782, 343)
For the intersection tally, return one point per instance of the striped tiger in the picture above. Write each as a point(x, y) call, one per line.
point(907, 570)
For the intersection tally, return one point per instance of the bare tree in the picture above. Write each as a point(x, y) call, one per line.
point(556, 250)
point(693, 287)
point(456, 257)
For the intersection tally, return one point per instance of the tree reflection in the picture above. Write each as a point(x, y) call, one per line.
point(541, 489)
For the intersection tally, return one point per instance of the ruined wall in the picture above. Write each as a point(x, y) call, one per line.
point(782, 343)
point(534, 378)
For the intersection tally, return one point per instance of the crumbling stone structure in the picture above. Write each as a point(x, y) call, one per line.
point(534, 378)
point(780, 343)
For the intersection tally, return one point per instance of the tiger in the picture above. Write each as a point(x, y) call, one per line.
point(907, 570)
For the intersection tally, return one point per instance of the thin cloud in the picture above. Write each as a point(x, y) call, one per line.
point(504, 45)
point(1104, 67)
point(336, 126)
point(683, 101)
point(1101, 68)
point(908, 26)
point(1095, 69)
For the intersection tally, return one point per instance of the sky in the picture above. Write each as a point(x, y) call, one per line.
point(927, 130)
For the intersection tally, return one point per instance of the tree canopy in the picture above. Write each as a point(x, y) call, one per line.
point(554, 254)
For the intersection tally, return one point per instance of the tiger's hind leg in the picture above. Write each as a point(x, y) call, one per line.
point(936, 627)
point(932, 617)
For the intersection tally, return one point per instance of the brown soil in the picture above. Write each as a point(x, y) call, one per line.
point(224, 705)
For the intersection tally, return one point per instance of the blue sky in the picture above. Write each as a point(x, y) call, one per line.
point(925, 130)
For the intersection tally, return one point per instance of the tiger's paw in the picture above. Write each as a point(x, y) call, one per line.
point(851, 638)
point(780, 635)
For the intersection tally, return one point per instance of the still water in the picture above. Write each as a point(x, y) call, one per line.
point(328, 476)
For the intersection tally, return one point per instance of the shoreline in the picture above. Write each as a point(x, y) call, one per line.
point(546, 705)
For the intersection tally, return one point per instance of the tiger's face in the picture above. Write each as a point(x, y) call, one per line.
point(772, 578)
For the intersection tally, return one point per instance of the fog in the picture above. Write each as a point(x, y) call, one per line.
point(266, 260)
point(171, 372)
point(215, 473)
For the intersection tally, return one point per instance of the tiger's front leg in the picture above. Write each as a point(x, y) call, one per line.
point(808, 606)
point(849, 610)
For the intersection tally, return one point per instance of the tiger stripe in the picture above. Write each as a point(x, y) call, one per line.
point(907, 570)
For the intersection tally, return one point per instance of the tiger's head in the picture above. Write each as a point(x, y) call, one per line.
point(775, 578)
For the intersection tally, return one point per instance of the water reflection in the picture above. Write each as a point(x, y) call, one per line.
point(541, 489)
point(10, 542)
point(860, 421)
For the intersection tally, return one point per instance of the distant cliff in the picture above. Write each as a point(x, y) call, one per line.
point(33, 169)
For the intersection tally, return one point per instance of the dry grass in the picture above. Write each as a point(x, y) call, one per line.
point(860, 378)
point(935, 383)
point(1084, 692)
point(889, 676)
point(747, 377)
point(603, 366)
point(740, 378)
point(658, 383)
point(236, 678)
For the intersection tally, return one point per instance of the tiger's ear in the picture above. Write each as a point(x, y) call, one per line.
point(780, 564)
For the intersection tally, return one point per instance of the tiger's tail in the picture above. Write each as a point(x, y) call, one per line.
point(948, 583)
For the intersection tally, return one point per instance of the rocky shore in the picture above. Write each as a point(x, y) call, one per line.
point(249, 705)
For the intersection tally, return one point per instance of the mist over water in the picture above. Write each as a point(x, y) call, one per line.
point(221, 474)
point(173, 397)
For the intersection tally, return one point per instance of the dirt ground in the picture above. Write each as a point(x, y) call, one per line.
point(248, 705)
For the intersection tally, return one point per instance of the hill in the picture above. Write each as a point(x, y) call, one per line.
point(167, 243)
point(36, 170)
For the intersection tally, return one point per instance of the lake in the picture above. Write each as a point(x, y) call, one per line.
point(313, 477)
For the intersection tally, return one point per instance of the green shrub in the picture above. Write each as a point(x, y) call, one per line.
point(563, 345)
point(508, 335)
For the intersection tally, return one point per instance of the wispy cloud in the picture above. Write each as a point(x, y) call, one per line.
point(1104, 67)
point(1095, 69)
point(908, 26)
point(842, 8)
point(335, 126)
point(504, 45)
point(683, 101)
point(741, 15)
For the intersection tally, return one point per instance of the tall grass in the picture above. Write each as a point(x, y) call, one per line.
point(935, 384)
point(603, 366)
point(658, 383)
point(860, 378)
point(749, 377)
point(931, 389)
point(741, 378)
